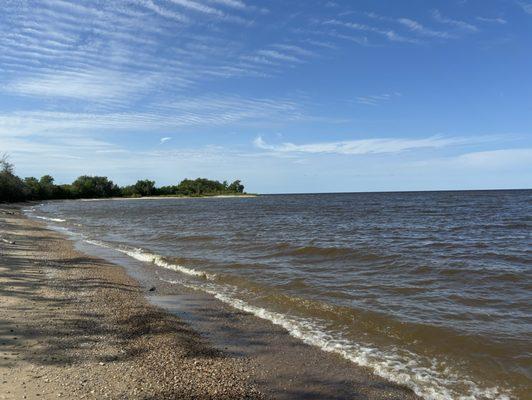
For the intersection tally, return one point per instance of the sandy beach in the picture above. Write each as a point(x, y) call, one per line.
point(77, 326)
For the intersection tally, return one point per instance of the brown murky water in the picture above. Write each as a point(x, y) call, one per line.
point(432, 290)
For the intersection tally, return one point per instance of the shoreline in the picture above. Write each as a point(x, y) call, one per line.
point(89, 324)
point(218, 196)
point(75, 326)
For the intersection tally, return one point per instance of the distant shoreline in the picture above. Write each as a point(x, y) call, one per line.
point(219, 196)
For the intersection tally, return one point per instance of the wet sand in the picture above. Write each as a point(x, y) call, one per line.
point(78, 326)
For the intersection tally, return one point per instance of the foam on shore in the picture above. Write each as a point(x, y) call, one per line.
point(144, 256)
point(428, 378)
point(30, 212)
point(405, 369)
point(49, 219)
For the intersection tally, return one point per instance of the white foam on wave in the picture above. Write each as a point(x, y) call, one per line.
point(30, 212)
point(405, 369)
point(50, 219)
point(399, 366)
point(144, 256)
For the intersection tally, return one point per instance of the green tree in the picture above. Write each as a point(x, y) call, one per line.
point(166, 191)
point(145, 187)
point(47, 187)
point(33, 188)
point(236, 187)
point(5, 165)
point(63, 192)
point(94, 187)
point(141, 188)
point(200, 186)
point(12, 188)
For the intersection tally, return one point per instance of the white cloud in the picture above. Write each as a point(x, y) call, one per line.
point(205, 111)
point(374, 100)
point(165, 139)
point(104, 51)
point(231, 3)
point(497, 158)
point(211, 11)
point(163, 12)
point(422, 30)
point(527, 7)
point(319, 43)
point(454, 22)
point(276, 55)
point(294, 49)
point(497, 20)
point(93, 85)
point(197, 7)
point(360, 147)
point(387, 33)
point(39, 149)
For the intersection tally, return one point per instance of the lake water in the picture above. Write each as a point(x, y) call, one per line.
point(432, 290)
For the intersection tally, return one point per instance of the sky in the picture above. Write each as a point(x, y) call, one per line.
point(290, 96)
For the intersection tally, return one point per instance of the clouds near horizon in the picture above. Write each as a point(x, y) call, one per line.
point(363, 146)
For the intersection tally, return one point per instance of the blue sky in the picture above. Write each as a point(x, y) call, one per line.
point(289, 96)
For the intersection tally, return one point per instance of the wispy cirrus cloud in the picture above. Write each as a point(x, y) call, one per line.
point(211, 11)
point(497, 158)
point(387, 33)
point(525, 6)
point(231, 3)
point(197, 6)
point(130, 49)
point(162, 11)
point(278, 55)
point(454, 22)
point(192, 112)
point(134, 49)
point(97, 85)
point(490, 160)
point(303, 52)
point(417, 27)
point(413, 26)
point(374, 100)
point(496, 20)
point(57, 146)
point(455, 27)
point(360, 147)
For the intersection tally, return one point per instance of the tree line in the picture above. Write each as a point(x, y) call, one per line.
point(13, 188)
